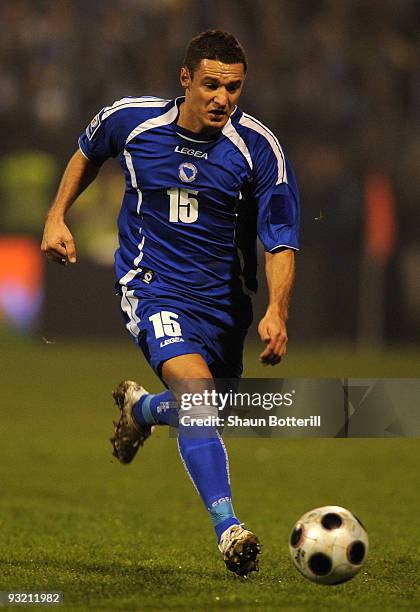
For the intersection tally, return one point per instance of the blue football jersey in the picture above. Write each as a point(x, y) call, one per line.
point(190, 201)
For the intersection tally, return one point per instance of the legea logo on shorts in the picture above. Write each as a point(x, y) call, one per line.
point(171, 341)
point(187, 172)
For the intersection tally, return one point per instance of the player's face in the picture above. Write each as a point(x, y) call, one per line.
point(210, 95)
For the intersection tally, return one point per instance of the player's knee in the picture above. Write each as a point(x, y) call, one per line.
point(187, 374)
point(194, 392)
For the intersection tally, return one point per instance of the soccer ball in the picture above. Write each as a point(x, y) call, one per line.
point(328, 545)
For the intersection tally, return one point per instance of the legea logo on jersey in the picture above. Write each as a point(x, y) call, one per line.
point(187, 172)
point(188, 151)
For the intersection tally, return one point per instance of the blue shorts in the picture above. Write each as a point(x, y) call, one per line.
point(165, 327)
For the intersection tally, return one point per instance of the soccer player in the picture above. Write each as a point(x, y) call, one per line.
point(203, 179)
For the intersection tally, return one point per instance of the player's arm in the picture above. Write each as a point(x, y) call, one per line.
point(57, 242)
point(280, 272)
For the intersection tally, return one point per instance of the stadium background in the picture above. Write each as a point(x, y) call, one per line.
point(339, 83)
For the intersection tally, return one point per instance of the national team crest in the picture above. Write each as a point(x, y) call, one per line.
point(187, 172)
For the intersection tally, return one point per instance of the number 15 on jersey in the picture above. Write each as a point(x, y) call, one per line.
point(183, 206)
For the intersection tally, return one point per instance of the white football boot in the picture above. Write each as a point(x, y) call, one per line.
point(240, 548)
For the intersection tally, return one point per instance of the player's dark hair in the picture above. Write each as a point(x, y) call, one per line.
point(214, 45)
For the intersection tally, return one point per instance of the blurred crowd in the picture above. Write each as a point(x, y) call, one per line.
point(337, 80)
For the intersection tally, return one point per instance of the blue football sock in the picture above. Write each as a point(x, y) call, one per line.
point(160, 409)
point(205, 459)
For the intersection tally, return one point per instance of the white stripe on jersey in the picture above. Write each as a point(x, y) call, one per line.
point(129, 162)
point(164, 119)
point(129, 305)
point(84, 154)
point(191, 139)
point(143, 102)
point(257, 126)
point(286, 246)
point(230, 132)
point(134, 271)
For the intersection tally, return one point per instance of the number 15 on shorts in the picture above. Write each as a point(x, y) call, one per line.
point(165, 324)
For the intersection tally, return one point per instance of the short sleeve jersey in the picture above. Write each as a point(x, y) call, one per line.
point(184, 195)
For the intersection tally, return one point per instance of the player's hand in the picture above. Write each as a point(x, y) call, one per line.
point(272, 331)
point(57, 242)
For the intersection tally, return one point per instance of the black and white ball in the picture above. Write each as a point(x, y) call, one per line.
point(329, 545)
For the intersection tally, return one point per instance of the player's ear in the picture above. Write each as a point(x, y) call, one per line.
point(184, 77)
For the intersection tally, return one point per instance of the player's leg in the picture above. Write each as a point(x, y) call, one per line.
point(200, 446)
point(176, 359)
point(162, 408)
point(205, 458)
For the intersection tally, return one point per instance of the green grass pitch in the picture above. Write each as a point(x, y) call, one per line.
point(137, 537)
